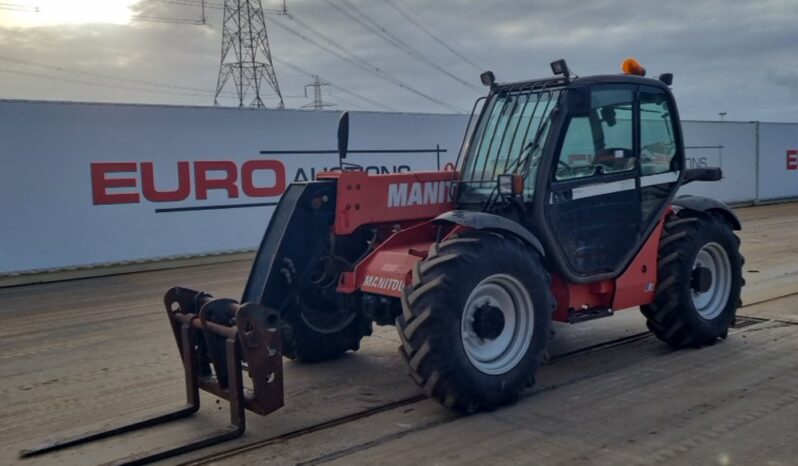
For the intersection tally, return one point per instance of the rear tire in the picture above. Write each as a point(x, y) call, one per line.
point(694, 307)
point(475, 320)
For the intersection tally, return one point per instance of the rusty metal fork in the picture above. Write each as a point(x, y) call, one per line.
point(194, 334)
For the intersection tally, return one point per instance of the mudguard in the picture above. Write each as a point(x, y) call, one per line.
point(486, 221)
point(705, 204)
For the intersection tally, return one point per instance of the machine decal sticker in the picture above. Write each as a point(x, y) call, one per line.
point(383, 283)
point(426, 193)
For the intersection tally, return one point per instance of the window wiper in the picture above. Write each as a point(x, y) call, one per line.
point(520, 161)
point(528, 150)
point(530, 146)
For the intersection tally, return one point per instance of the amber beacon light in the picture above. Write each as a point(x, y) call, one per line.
point(633, 67)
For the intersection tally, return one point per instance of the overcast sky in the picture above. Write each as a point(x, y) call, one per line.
point(739, 57)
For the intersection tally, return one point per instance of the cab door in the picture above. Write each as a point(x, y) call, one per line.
point(594, 205)
point(614, 172)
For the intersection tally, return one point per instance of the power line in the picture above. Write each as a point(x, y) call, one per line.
point(88, 83)
point(283, 62)
point(377, 29)
point(92, 74)
point(347, 102)
point(198, 4)
point(434, 36)
point(194, 91)
point(168, 19)
point(164, 19)
point(307, 73)
point(18, 7)
point(359, 62)
point(422, 18)
point(118, 53)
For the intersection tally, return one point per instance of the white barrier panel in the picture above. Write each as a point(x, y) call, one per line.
point(778, 160)
point(730, 146)
point(85, 184)
point(90, 183)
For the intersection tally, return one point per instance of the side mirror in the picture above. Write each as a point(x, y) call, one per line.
point(577, 99)
point(343, 135)
point(510, 185)
point(702, 174)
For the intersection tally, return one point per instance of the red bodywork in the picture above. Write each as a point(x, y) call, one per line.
point(365, 199)
point(403, 206)
point(634, 287)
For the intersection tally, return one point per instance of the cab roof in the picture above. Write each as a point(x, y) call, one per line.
point(562, 82)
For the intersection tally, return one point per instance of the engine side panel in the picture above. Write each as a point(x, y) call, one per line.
point(389, 268)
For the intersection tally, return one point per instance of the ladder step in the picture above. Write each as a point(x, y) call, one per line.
point(581, 315)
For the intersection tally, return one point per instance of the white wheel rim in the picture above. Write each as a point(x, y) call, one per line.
point(499, 355)
point(711, 303)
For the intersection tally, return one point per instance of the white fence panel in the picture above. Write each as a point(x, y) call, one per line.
point(84, 184)
point(778, 160)
point(76, 187)
point(730, 146)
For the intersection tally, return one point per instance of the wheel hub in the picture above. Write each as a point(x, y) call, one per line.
point(711, 281)
point(497, 324)
point(701, 280)
point(488, 322)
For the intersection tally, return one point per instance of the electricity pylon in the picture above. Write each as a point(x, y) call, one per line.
point(318, 103)
point(246, 56)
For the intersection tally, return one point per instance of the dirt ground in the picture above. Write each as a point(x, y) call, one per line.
point(92, 352)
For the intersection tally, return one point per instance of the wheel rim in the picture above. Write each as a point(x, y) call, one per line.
point(711, 303)
point(503, 348)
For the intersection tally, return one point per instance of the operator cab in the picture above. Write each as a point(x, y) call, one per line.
point(587, 164)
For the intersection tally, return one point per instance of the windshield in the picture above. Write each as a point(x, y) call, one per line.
point(510, 131)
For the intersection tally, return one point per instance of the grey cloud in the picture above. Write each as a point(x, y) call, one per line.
point(732, 56)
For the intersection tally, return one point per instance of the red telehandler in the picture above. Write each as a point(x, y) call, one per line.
point(561, 207)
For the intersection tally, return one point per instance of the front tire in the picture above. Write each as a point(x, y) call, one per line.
point(308, 342)
point(475, 320)
point(699, 280)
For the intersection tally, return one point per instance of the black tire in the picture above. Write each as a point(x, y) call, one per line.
point(433, 308)
point(673, 316)
point(306, 344)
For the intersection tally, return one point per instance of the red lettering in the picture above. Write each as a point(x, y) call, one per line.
point(228, 183)
point(151, 193)
point(792, 159)
point(248, 185)
point(100, 184)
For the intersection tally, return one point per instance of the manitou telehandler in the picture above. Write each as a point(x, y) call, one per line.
point(561, 206)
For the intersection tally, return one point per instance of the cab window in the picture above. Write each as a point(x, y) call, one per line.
point(601, 142)
point(657, 143)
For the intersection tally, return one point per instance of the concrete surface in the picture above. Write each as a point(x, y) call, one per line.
point(85, 353)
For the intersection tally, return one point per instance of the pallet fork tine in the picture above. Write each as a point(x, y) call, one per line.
point(205, 338)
